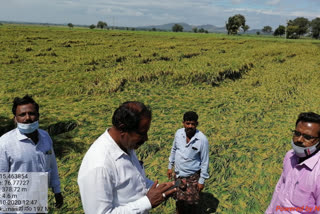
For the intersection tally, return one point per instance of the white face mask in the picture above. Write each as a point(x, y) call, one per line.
point(27, 128)
point(304, 151)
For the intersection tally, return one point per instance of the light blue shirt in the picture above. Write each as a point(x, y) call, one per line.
point(18, 153)
point(189, 158)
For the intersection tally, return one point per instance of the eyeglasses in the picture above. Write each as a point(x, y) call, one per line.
point(305, 136)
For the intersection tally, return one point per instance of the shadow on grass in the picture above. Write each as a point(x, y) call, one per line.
point(208, 203)
point(6, 124)
point(62, 140)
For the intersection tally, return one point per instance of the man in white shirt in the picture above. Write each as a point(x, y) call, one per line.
point(111, 179)
point(28, 148)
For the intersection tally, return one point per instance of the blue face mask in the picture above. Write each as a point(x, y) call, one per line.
point(27, 128)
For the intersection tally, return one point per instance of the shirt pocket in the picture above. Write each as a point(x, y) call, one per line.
point(192, 153)
point(302, 197)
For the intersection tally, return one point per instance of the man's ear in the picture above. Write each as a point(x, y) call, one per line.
point(122, 128)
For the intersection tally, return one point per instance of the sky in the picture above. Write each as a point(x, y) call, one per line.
point(136, 13)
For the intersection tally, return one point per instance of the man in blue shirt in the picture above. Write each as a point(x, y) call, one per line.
point(28, 148)
point(190, 159)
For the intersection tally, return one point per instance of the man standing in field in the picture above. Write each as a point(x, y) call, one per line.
point(298, 189)
point(111, 178)
point(190, 158)
point(28, 148)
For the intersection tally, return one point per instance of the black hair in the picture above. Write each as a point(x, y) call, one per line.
point(308, 117)
point(27, 99)
point(190, 116)
point(128, 115)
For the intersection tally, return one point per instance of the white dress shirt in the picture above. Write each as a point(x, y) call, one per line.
point(18, 153)
point(111, 181)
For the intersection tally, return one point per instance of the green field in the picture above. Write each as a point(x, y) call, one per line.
point(247, 91)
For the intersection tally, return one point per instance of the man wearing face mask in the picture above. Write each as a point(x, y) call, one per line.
point(190, 159)
point(298, 189)
point(28, 148)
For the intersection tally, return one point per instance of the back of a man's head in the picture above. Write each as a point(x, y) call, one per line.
point(128, 115)
point(190, 116)
point(23, 101)
point(308, 117)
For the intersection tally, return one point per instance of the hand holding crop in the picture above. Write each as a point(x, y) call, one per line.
point(158, 194)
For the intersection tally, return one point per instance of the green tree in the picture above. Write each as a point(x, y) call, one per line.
point(201, 30)
point(177, 28)
point(292, 32)
point(315, 28)
point(234, 23)
point(101, 24)
point(267, 29)
point(70, 25)
point(281, 30)
point(195, 30)
point(298, 27)
point(258, 33)
point(245, 28)
point(92, 26)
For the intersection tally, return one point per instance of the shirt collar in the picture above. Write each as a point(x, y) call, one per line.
point(193, 139)
point(117, 152)
point(20, 136)
point(312, 161)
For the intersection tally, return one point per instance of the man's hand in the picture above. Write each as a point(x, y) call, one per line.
point(59, 199)
point(169, 173)
point(156, 194)
point(200, 187)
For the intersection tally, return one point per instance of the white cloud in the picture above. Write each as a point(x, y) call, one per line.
point(236, 1)
point(305, 14)
point(273, 2)
point(275, 12)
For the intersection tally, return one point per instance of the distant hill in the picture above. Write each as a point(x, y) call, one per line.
point(186, 27)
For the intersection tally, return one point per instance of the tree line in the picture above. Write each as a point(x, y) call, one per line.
point(295, 28)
